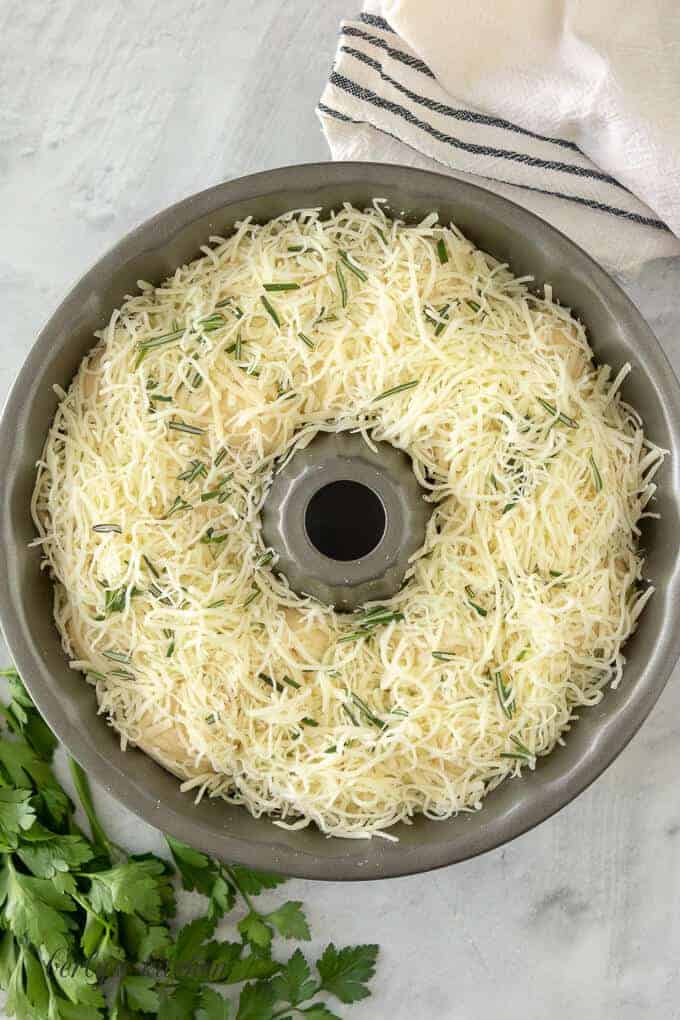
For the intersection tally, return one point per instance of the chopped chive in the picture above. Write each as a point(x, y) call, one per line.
point(178, 507)
point(196, 469)
point(509, 506)
point(401, 712)
point(181, 426)
point(116, 599)
point(123, 657)
point(331, 750)
point(505, 696)
point(124, 673)
point(270, 309)
point(320, 316)
point(564, 418)
point(343, 284)
point(265, 559)
point(442, 251)
point(596, 474)
point(444, 656)
point(396, 389)
point(238, 346)
point(104, 529)
point(523, 654)
point(291, 683)
point(273, 287)
point(221, 454)
point(252, 597)
point(517, 756)
point(555, 573)
point(380, 233)
point(216, 605)
point(308, 721)
point(353, 267)
point(305, 339)
point(296, 247)
point(96, 674)
point(492, 479)
point(473, 305)
point(160, 396)
point(169, 651)
point(252, 370)
point(210, 719)
point(150, 565)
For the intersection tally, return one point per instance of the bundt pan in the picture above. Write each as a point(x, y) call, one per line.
point(617, 334)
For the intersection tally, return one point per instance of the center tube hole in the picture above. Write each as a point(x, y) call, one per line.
point(345, 520)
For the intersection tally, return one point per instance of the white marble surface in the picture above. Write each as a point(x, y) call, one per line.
point(109, 112)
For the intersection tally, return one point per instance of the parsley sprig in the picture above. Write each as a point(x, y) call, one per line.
point(87, 932)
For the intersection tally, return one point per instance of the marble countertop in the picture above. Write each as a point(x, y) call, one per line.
point(110, 112)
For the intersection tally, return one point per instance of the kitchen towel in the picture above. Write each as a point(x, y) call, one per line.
point(568, 107)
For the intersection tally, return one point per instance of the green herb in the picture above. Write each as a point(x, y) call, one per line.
point(367, 713)
point(305, 339)
point(596, 474)
point(492, 479)
point(116, 599)
point(353, 267)
point(367, 622)
point(442, 251)
point(473, 305)
point(350, 715)
point(477, 608)
point(162, 397)
point(87, 931)
point(444, 656)
point(555, 573)
point(523, 654)
point(396, 389)
point(307, 721)
point(196, 469)
point(273, 287)
point(178, 507)
point(117, 656)
point(104, 528)
point(380, 233)
point(221, 493)
point(216, 605)
point(144, 346)
point(522, 751)
point(221, 454)
point(270, 309)
point(238, 312)
point(551, 409)
point(291, 683)
point(211, 323)
point(443, 315)
point(181, 426)
point(331, 750)
point(296, 247)
point(401, 712)
point(506, 698)
point(169, 635)
point(150, 565)
point(210, 538)
point(343, 284)
point(264, 559)
point(251, 598)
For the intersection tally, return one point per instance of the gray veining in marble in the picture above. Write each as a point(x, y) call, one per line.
point(109, 112)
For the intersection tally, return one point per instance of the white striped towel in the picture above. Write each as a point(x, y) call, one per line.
point(468, 95)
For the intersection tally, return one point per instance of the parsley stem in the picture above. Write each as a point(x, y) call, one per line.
point(82, 785)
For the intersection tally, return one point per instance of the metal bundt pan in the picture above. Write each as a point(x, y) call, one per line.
point(618, 334)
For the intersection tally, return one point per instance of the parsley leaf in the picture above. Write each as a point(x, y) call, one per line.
point(294, 984)
point(138, 991)
point(212, 1006)
point(344, 972)
point(16, 815)
point(257, 1002)
point(290, 922)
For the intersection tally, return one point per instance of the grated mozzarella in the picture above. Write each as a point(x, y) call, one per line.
point(526, 588)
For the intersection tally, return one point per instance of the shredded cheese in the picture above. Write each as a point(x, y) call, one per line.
point(517, 607)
